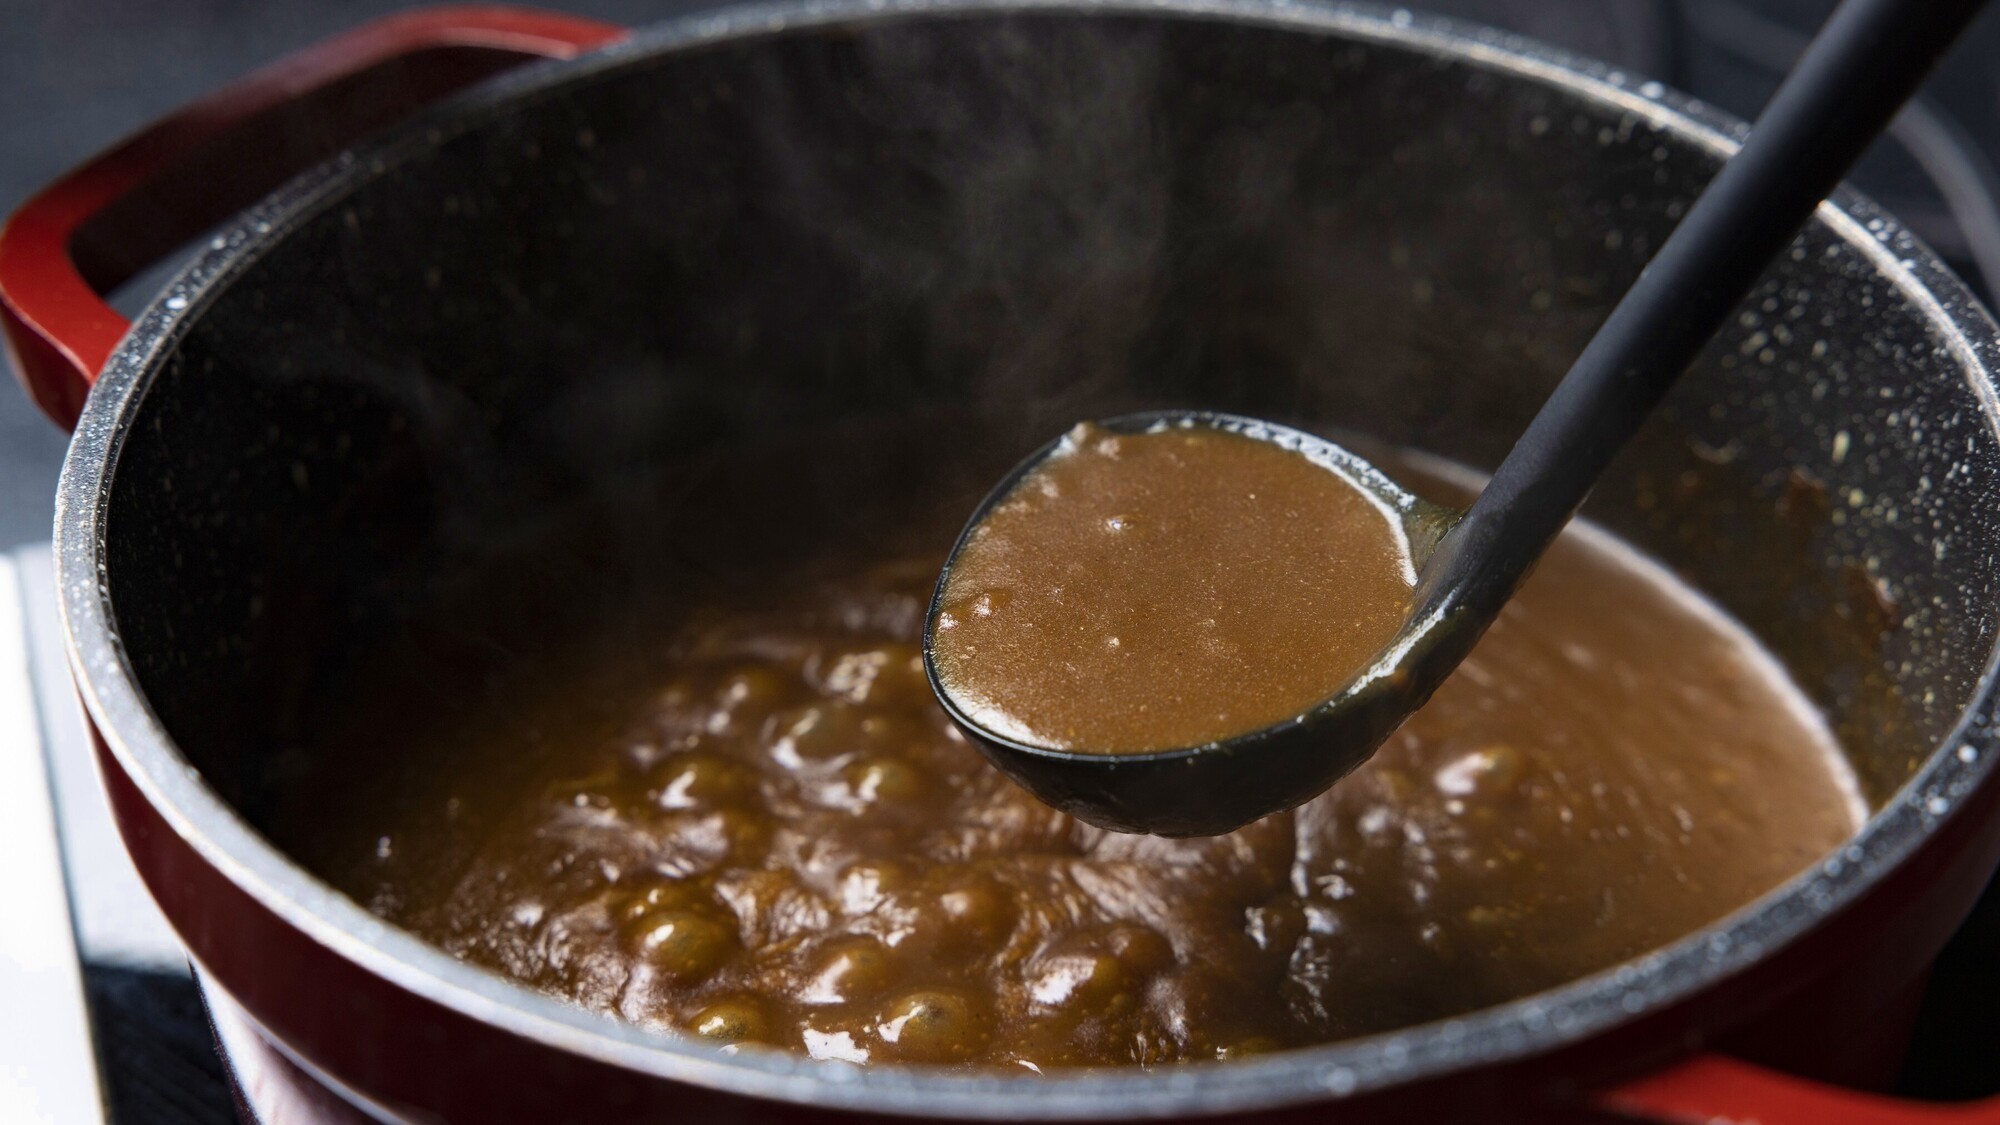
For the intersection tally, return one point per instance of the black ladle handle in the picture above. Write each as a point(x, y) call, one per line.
point(1868, 59)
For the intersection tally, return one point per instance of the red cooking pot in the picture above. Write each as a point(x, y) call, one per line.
point(389, 389)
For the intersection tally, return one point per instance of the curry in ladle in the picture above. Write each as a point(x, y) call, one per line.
point(1145, 591)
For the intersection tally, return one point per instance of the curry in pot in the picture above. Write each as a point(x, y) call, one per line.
point(782, 842)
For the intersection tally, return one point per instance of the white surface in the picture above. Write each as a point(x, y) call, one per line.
point(48, 1072)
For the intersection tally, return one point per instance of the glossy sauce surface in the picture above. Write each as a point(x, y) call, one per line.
point(784, 841)
point(1150, 591)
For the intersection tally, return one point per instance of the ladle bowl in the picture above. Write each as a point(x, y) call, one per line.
point(1214, 787)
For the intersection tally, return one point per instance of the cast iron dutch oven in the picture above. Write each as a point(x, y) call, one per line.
point(379, 402)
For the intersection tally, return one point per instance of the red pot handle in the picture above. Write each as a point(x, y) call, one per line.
point(104, 222)
point(1716, 1090)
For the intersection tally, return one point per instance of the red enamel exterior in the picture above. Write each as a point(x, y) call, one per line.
point(1712, 1090)
point(1808, 1008)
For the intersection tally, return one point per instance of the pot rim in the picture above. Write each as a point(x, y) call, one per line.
point(1532, 1025)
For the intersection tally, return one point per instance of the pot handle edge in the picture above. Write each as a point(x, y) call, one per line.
point(1712, 1089)
point(196, 166)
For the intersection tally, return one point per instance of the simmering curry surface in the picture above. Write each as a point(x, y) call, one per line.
point(1156, 590)
point(786, 843)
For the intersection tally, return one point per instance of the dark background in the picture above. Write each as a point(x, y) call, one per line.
point(77, 75)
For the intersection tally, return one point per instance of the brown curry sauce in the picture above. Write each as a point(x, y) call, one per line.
point(1149, 591)
point(787, 843)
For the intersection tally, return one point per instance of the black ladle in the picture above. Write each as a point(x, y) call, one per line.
point(1867, 60)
